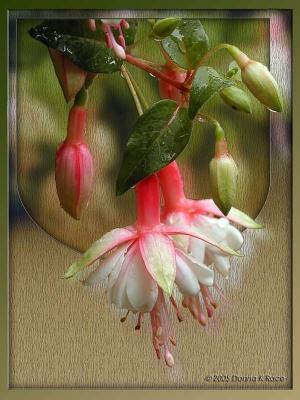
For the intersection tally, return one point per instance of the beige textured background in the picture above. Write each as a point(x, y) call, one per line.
point(64, 335)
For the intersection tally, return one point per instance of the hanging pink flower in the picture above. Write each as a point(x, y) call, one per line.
point(142, 263)
point(204, 217)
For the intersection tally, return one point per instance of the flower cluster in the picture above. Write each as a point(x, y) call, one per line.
point(184, 244)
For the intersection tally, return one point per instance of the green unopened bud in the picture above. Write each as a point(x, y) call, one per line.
point(236, 98)
point(223, 177)
point(164, 27)
point(258, 80)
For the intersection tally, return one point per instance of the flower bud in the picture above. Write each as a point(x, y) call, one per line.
point(223, 177)
point(168, 91)
point(74, 166)
point(258, 80)
point(236, 98)
point(164, 27)
point(70, 77)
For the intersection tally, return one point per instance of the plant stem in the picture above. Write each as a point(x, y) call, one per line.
point(81, 97)
point(205, 58)
point(138, 90)
point(219, 132)
point(132, 90)
point(155, 72)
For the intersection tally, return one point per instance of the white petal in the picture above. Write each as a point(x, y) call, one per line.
point(214, 228)
point(113, 276)
point(117, 292)
point(107, 265)
point(222, 265)
point(178, 218)
point(185, 279)
point(204, 274)
point(141, 288)
point(234, 238)
point(197, 249)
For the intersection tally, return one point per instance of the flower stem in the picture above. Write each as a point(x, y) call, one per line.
point(219, 132)
point(142, 64)
point(148, 202)
point(132, 90)
point(81, 98)
point(138, 90)
point(205, 58)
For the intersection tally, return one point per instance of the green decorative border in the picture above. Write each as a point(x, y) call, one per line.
point(32, 394)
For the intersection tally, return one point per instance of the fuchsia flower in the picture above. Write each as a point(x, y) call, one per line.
point(204, 217)
point(142, 263)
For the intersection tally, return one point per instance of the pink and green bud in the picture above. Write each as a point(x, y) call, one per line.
point(223, 177)
point(70, 77)
point(74, 169)
point(258, 80)
point(236, 98)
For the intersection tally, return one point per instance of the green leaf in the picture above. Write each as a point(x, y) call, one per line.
point(187, 44)
point(158, 137)
point(206, 83)
point(73, 27)
point(89, 54)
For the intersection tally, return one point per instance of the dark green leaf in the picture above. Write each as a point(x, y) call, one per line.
point(187, 44)
point(89, 54)
point(158, 137)
point(73, 27)
point(206, 83)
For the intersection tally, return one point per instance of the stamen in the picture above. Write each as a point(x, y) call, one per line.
point(220, 292)
point(169, 359)
point(172, 340)
point(209, 301)
point(123, 319)
point(139, 322)
point(178, 313)
point(193, 304)
point(161, 329)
